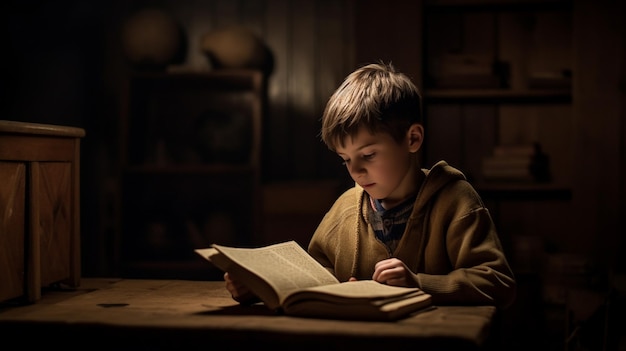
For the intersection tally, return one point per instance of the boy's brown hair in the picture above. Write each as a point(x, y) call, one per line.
point(375, 96)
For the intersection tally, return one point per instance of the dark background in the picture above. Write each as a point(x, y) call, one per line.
point(63, 64)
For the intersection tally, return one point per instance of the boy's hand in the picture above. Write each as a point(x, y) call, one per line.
point(238, 291)
point(394, 272)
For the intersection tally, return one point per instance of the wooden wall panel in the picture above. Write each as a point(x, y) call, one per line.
point(600, 63)
point(390, 31)
point(334, 33)
point(278, 122)
point(301, 88)
point(460, 134)
point(226, 13)
point(443, 136)
point(478, 137)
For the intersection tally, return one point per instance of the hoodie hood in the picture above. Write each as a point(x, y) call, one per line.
point(436, 178)
point(439, 176)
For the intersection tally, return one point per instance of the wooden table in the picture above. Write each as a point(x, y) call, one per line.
point(176, 314)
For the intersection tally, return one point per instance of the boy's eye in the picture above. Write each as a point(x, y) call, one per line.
point(366, 157)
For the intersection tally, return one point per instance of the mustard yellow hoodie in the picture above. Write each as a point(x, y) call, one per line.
point(450, 242)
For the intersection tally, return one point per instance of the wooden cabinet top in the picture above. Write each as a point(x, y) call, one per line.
point(14, 127)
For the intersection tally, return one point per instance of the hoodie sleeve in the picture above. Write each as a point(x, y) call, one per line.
point(463, 238)
point(332, 243)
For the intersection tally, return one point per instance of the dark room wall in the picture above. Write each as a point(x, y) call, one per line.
point(67, 67)
point(63, 65)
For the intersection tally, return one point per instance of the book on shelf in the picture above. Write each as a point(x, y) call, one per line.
point(523, 162)
point(467, 71)
point(550, 80)
point(289, 281)
point(467, 81)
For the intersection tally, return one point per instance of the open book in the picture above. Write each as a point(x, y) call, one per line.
point(287, 279)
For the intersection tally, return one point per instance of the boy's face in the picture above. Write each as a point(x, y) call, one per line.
point(384, 168)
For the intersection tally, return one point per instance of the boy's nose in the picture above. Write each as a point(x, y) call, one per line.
point(356, 167)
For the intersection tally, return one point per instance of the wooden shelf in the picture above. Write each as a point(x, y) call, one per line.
point(498, 5)
point(498, 96)
point(524, 191)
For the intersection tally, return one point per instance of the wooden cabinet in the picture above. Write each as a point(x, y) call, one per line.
point(191, 149)
point(39, 208)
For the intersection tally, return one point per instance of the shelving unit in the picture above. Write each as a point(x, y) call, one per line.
point(483, 61)
point(499, 96)
point(190, 155)
point(499, 73)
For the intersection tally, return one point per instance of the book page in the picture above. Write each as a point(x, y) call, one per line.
point(353, 292)
point(285, 266)
point(360, 300)
point(286, 276)
point(255, 283)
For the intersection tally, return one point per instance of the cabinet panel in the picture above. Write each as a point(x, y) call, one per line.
point(12, 233)
point(54, 198)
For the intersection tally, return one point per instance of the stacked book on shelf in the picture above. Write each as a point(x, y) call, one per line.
point(516, 162)
point(466, 71)
point(550, 80)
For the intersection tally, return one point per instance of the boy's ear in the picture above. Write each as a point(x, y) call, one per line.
point(415, 136)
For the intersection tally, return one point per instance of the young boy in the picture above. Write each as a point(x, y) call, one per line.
point(400, 224)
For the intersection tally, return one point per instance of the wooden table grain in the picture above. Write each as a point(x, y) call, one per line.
point(180, 314)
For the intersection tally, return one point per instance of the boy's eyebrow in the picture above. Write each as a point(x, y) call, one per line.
point(361, 147)
point(367, 145)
